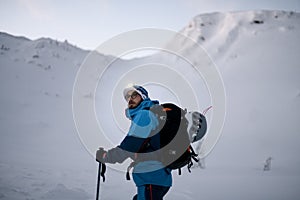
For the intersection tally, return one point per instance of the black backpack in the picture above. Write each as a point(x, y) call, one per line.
point(175, 138)
point(175, 134)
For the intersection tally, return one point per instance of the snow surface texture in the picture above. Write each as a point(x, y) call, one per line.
point(257, 53)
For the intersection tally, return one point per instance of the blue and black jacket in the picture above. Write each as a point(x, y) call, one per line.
point(146, 171)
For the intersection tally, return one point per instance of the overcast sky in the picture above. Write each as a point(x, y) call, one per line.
point(88, 23)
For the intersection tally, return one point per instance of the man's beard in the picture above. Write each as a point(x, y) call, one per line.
point(132, 104)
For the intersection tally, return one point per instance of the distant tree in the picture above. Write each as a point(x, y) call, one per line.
point(48, 67)
point(267, 164)
point(3, 47)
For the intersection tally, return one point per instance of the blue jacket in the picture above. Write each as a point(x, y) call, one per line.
point(143, 122)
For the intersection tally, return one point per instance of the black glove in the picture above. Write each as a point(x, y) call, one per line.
point(100, 155)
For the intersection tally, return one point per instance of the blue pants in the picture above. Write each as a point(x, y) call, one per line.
point(151, 192)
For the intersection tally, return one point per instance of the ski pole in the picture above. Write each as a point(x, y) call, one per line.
point(98, 181)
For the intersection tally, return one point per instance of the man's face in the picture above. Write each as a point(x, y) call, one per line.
point(133, 98)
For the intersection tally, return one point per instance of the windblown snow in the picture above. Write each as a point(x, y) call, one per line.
point(257, 54)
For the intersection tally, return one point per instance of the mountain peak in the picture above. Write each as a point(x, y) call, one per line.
point(204, 27)
point(217, 32)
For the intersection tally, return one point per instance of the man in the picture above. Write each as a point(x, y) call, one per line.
point(152, 179)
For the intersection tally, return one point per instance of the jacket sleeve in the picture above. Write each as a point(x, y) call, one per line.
point(139, 130)
point(128, 147)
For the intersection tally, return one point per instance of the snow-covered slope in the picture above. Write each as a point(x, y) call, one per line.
point(36, 84)
point(38, 138)
point(257, 55)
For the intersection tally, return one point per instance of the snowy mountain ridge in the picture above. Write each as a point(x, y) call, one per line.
point(44, 48)
point(218, 31)
point(257, 55)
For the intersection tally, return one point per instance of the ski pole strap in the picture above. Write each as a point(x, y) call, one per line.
point(179, 171)
point(103, 170)
point(128, 170)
